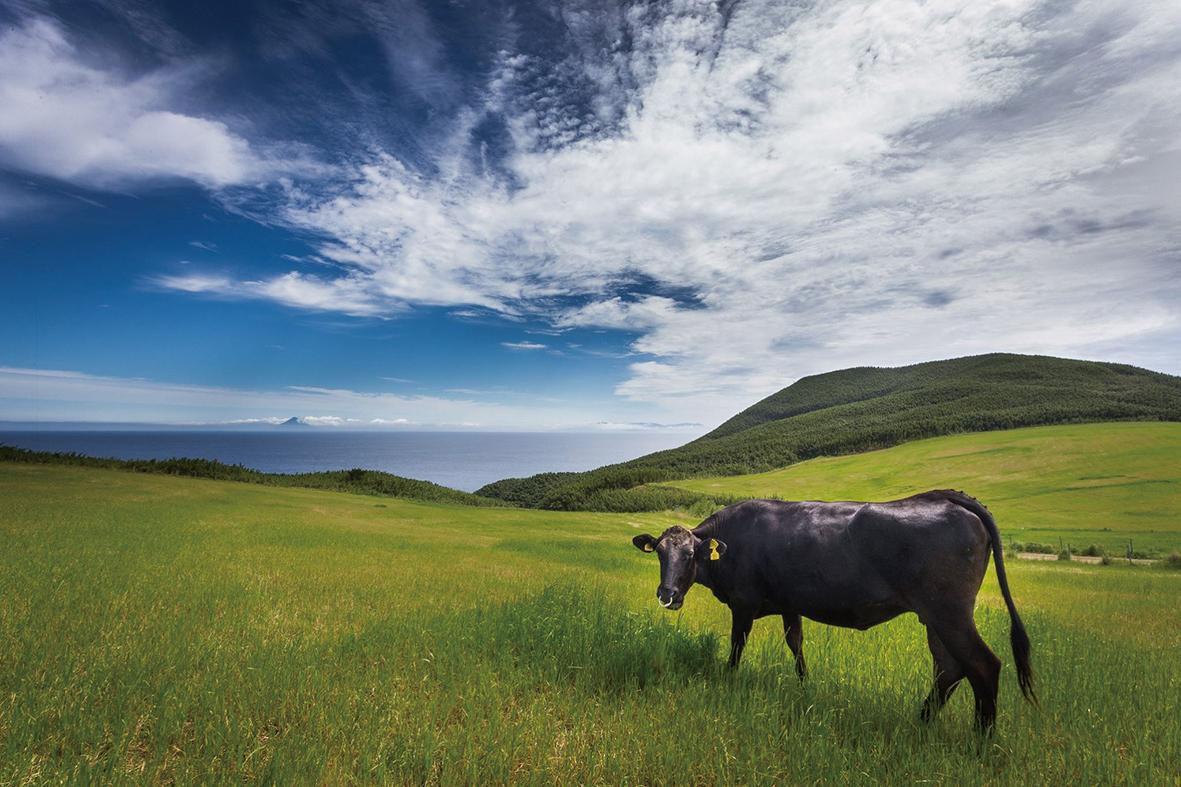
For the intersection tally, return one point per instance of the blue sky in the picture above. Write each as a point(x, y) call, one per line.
point(570, 215)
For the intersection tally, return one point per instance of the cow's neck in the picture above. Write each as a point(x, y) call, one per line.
point(703, 575)
point(704, 532)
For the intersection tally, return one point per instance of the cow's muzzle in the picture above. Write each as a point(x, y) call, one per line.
point(669, 599)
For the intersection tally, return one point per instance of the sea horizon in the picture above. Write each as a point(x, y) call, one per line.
point(464, 460)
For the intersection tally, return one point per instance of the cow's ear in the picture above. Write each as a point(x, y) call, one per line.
point(645, 543)
point(711, 549)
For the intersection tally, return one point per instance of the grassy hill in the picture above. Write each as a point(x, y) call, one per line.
point(172, 630)
point(863, 409)
point(1080, 484)
point(369, 482)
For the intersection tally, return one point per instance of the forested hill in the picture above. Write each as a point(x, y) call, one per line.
point(980, 385)
point(862, 409)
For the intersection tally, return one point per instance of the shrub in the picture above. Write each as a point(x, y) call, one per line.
point(1172, 560)
point(1065, 555)
point(1093, 550)
point(1106, 561)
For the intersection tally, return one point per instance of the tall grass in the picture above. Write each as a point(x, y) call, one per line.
point(179, 630)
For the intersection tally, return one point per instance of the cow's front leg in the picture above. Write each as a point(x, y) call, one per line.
point(739, 631)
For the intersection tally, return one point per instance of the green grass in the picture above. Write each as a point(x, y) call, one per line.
point(1082, 484)
point(863, 409)
point(194, 631)
point(359, 480)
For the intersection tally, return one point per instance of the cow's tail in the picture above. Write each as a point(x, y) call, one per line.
point(1017, 636)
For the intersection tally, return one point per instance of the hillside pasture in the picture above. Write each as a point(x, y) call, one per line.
point(1081, 484)
point(183, 630)
point(864, 409)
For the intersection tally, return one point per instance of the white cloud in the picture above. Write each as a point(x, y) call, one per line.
point(642, 314)
point(346, 294)
point(647, 426)
point(329, 420)
point(756, 196)
point(58, 395)
point(195, 283)
point(68, 117)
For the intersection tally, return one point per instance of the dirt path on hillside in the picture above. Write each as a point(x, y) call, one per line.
point(1083, 558)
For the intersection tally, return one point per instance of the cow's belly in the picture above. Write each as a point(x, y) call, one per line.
point(855, 617)
point(841, 594)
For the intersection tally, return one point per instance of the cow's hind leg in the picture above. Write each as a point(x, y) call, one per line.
point(981, 667)
point(793, 630)
point(948, 674)
point(740, 624)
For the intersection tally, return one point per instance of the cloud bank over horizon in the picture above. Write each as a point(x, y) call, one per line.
point(40, 396)
point(749, 191)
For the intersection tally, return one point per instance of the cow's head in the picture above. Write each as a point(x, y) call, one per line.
point(680, 554)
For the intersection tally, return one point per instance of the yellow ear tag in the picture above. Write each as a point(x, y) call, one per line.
point(713, 550)
point(648, 547)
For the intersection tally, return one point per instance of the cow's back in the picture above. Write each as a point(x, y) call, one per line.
point(782, 555)
point(821, 559)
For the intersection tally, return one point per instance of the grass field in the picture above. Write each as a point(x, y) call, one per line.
point(182, 630)
point(1077, 484)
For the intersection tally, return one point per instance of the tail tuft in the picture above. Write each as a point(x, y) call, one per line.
point(1020, 642)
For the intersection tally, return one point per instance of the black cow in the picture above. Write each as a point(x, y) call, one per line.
point(854, 565)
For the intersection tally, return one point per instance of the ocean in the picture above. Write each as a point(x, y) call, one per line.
point(461, 460)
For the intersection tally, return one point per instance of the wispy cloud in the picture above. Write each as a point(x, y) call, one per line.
point(523, 345)
point(15, 201)
point(820, 186)
point(346, 295)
